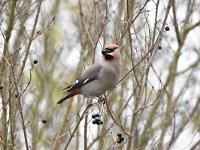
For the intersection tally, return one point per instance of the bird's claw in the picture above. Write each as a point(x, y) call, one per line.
point(102, 99)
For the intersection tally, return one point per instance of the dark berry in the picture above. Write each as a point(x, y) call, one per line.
point(1, 87)
point(38, 32)
point(97, 121)
point(119, 141)
point(44, 121)
point(159, 47)
point(95, 115)
point(119, 134)
point(94, 122)
point(35, 61)
point(167, 28)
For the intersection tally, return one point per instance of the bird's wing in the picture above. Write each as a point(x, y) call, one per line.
point(88, 76)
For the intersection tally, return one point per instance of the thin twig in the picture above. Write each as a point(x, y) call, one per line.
point(77, 125)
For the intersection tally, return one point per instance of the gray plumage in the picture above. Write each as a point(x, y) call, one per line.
point(99, 77)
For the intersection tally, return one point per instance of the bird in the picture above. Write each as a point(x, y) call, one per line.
point(100, 77)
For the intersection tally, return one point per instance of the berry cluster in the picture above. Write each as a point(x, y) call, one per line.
point(97, 120)
point(120, 138)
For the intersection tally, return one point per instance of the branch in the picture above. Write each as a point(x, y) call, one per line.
point(30, 40)
point(76, 127)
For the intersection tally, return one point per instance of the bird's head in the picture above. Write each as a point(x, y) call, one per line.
point(111, 51)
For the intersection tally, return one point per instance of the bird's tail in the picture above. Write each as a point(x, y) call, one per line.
point(68, 95)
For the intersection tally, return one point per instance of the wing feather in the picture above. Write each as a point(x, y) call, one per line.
point(88, 76)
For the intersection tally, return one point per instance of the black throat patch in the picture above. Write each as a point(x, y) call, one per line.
point(108, 57)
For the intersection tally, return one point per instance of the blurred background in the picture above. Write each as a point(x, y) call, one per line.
point(46, 44)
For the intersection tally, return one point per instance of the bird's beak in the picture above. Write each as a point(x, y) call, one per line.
point(104, 51)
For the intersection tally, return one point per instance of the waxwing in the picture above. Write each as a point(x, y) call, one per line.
point(100, 77)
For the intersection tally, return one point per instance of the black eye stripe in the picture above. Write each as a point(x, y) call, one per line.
point(111, 49)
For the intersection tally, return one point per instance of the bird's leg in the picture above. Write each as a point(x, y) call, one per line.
point(102, 99)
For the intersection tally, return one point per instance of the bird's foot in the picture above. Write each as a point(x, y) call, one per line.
point(102, 99)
